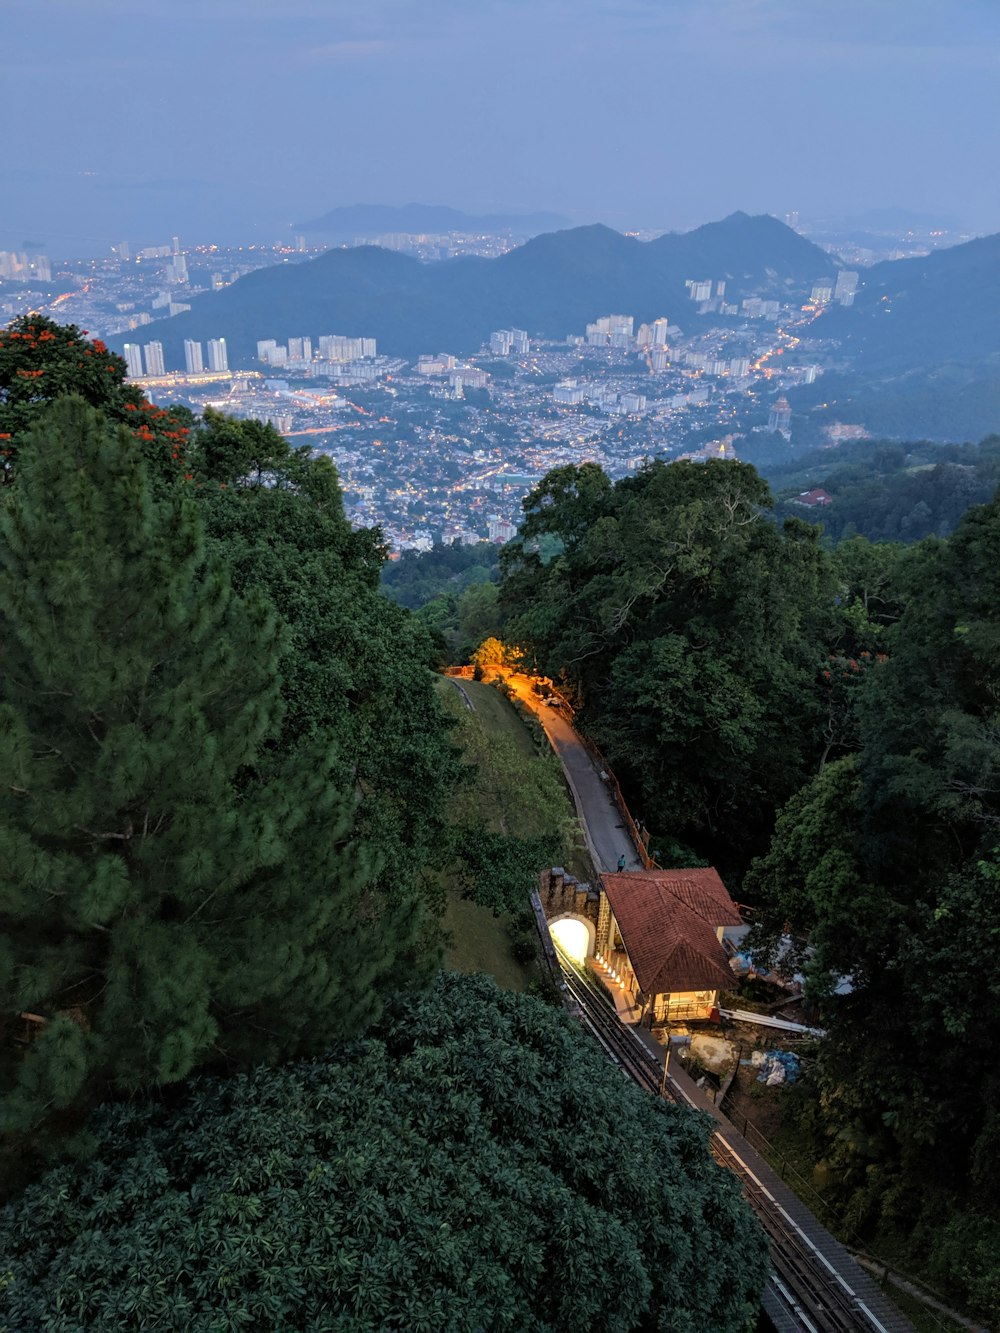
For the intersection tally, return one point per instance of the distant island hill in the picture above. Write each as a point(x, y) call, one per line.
point(936, 311)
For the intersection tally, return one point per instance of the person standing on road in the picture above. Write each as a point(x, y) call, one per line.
point(621, 863)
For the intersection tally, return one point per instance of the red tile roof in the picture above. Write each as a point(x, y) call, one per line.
point(668, 920)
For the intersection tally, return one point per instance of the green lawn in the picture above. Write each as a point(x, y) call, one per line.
point(480, 942)
point(521, 791)
point(494, 713)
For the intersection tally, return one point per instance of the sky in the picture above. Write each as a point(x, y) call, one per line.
point(231, 120)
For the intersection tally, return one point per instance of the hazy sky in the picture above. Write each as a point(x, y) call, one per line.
point(231, 119)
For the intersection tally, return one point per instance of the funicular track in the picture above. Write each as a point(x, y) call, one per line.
point(805, 1291)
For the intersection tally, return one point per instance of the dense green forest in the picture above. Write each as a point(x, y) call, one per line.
point(453, 591)
point(887, 491)
point(461, 1167)
point(822, 724)
point(229, 795)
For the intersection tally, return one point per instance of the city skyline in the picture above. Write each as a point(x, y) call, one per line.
point(657, 115)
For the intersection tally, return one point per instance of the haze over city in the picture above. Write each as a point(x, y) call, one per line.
point(231, 122)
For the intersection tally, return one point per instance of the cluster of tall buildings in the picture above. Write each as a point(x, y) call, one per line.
point(611, 331)
point(24, 267)
point(737, 366)
point(194, 361)
point(617, 331)
point(510, 342)
point(701, 289)
point(571, 392)
point(461, 376)
point(842, 291)
point(753, 307)
point(653, 335)
point(500, 529)
point(298, 352)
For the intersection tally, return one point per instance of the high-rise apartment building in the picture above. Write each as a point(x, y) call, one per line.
point(193, 363)
point(780, 417)
point(218, 357)
point(847, 286)
point(133, 360)
point(154, 358)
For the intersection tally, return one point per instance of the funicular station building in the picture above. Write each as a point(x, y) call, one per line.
point(657, 936)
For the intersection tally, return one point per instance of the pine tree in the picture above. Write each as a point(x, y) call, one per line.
point(170, 894)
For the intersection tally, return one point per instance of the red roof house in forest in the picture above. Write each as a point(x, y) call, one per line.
point(661, 932)
point(813, 499)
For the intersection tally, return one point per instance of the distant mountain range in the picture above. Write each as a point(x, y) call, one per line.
point(941, 307)
point(922, 342)
point(415, 219)
point(920, 347)
point(552, 285)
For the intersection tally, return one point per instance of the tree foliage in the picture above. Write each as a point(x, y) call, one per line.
point(418, 577)
point(886, 866)
point(424, 1178)
point(689, 627)
point(42, 361)
point(353, 663)
point(181, 881)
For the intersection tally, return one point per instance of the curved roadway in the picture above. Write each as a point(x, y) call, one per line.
point(602, 823)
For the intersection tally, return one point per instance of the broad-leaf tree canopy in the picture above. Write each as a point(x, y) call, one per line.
point(474, 1163)
point(42, 361)
point(885, 866)
point(689, 627)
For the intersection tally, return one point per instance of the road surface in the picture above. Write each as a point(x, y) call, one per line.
point(603, 826)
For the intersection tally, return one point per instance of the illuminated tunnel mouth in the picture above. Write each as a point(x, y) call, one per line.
point(572, 937)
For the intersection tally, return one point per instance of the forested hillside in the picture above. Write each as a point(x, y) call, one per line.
point(229, 794)
point(822, 724)
point(887, 491)
point(551, 286)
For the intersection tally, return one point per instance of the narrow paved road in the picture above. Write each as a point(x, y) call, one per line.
point(603, 826)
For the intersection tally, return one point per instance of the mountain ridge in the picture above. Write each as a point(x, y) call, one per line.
point(552, 285)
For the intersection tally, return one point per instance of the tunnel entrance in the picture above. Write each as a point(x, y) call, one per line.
point(574, 935)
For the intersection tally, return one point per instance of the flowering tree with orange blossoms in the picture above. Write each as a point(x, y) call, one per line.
point(41, 361)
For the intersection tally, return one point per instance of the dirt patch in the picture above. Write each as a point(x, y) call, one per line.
point(748, 1100)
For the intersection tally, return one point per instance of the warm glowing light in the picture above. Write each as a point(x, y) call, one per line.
point(572, 937)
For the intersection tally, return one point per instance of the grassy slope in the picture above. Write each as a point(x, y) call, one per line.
point(479, 941)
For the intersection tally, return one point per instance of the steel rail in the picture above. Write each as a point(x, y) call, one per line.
point(804, 1281)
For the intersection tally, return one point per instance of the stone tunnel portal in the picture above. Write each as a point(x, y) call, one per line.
point(574, 935)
